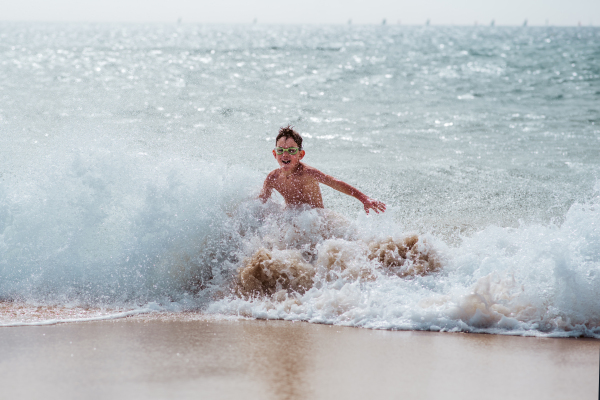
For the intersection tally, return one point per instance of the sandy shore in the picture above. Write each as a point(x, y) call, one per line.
point(199, 357)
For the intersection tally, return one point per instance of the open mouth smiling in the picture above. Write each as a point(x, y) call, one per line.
point(286, 161)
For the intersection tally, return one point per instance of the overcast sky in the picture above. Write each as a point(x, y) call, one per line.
point(439, 12)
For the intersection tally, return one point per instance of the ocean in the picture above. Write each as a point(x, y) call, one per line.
point(131, 157)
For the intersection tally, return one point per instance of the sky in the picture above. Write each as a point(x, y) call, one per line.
point(439, 12)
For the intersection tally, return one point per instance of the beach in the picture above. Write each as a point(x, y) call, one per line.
point(191, 355)
point(137, 262)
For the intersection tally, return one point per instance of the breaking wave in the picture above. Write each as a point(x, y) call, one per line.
point(112, 229)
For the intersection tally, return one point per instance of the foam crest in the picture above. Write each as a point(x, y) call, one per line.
point(406, 257)
point(302, 247)
point(107, 226)
point(269, 272)
point(539, 280)
point(491, 302)
point(344, 260)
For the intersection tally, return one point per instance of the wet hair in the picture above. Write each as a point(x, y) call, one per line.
point(289, 132)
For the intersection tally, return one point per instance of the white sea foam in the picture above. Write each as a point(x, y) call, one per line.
point(62, 316)
point(108, 235)
point(531, 280)
point(109, 227)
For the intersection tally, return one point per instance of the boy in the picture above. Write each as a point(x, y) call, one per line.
point(298, 183)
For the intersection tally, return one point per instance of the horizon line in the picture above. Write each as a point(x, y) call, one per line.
point(475, 24)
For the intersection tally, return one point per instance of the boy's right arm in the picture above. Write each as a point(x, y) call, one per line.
point(267, 189)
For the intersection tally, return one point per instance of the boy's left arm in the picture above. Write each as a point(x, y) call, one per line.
point(343, 187)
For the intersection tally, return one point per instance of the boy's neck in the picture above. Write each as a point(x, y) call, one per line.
point(293, 171)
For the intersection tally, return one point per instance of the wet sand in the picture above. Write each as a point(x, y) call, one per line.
point(198, 357)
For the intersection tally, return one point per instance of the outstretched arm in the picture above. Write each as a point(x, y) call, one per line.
point(343, 187)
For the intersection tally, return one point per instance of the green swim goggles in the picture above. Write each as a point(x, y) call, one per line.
point(291, 151)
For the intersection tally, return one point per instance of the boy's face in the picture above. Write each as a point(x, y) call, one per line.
point(287, 161)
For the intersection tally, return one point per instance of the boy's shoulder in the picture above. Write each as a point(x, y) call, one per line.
point(311, 171)
point(274, 174)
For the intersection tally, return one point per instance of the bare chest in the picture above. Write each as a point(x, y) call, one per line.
point(296, 187)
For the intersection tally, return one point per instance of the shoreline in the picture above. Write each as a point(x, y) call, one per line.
point(195, 355)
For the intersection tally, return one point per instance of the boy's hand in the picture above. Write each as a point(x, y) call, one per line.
point(376, 205)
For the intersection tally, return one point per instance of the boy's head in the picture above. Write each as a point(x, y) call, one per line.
point(289, 132)
point(288, 148)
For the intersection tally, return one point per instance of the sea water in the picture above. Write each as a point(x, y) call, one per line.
point(131, 157)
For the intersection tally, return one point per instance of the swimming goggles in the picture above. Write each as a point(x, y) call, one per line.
point(291, 151)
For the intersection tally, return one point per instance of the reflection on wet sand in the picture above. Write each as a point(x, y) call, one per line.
point(193, 356)
point(281, 357)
